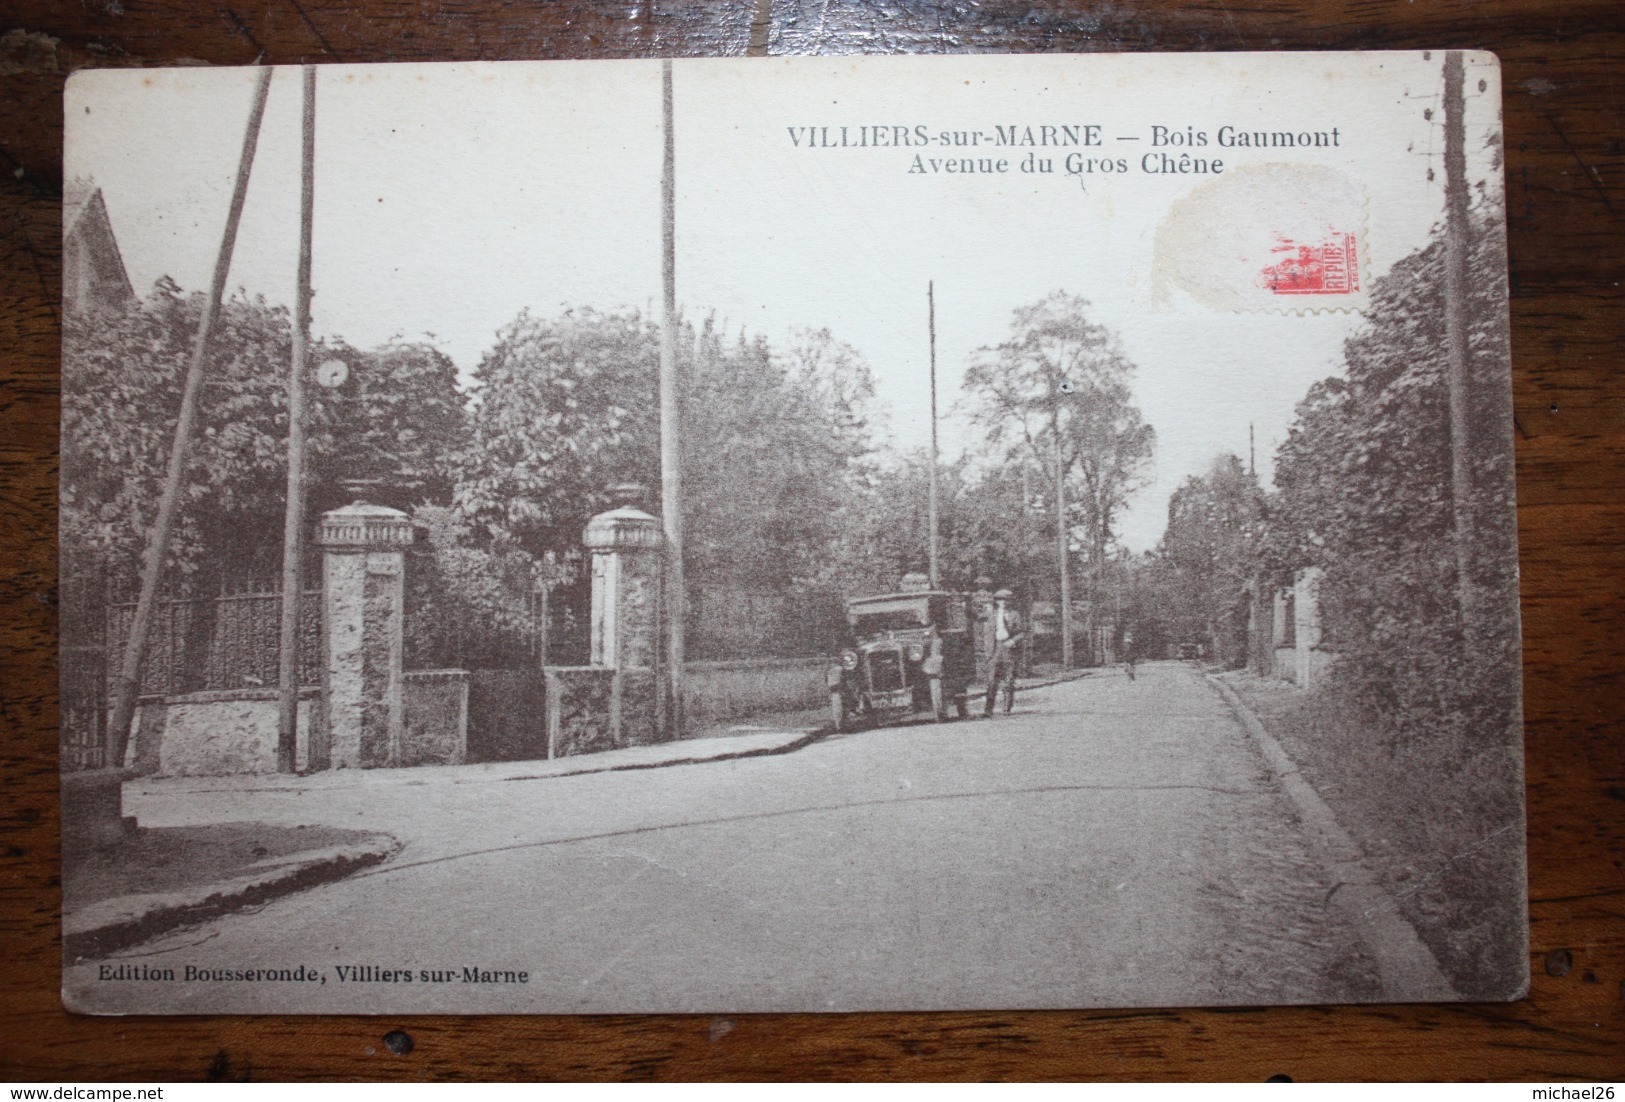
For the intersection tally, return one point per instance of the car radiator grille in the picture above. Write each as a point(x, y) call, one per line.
point(885, 671)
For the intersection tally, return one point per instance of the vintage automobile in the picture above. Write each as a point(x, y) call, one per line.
point(905, 653)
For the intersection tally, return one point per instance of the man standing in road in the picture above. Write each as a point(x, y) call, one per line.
point(1006, 635)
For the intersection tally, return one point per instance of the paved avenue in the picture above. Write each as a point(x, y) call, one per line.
point(1112, 843)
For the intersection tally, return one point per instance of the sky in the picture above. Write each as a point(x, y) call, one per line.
point(451, 197)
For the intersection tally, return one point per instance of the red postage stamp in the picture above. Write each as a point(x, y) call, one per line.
point(1330, 267)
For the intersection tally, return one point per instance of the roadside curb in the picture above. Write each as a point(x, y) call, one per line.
point(1408, 968)
point(803, 739)
point(1059, 679)
point(113, 924)
point(651, 756)
point(679, 752)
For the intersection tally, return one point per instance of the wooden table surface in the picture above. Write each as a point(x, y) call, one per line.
point(1564, 71)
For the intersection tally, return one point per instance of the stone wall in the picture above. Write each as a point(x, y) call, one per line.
point(593, 708)
point(435, 718)
point(455, 716)
point(1295, 633)
point(216, 733)
point(716, 692)
point(235, 731)
point(1286, 664)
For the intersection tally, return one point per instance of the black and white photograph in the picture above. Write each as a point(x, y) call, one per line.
point(798, 534)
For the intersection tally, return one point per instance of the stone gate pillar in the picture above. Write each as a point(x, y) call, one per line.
point(626, 545)
point(363, 605)
point(982, 628)
point(614, 702)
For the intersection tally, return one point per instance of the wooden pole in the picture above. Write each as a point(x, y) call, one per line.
point(1028, 578)
point(931, 315)
point(671, 470)
point(293, 523)
point(152, 567)
point(1456, 250)
point(1061, 540)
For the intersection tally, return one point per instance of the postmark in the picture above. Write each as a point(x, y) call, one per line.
point(1327, 267)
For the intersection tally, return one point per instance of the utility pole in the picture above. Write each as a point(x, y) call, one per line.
point(671, 471)
point(152, 568)
point(1060, 538)
point(293, 522)
point(1457, 247)
point(931, 314)
point(1033, 532)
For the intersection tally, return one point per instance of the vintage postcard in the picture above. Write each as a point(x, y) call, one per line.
point(793, 534)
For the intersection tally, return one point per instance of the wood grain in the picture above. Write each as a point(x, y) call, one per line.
point(1564, 117)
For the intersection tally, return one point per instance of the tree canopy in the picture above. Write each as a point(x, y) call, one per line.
point(563, 409)
point(1057, 393)
point(1365, 486)
point(1210, 552)
point(775, 446)
point(990, 523)
point(398, 419)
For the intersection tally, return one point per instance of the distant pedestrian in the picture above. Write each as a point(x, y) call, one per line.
point(1129, 657)
point(1005, 635)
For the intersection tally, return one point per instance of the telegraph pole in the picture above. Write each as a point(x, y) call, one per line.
point(293, 523)
point(1061, 540)
point(931, 315)
point(1034, 533)
point(152, 567)
point(1456, 250)
point(671, 472)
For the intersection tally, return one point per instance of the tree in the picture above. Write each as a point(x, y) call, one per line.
point(564, 408)
point(774, 450)
point(1057, 395)
point(1364, 482)
point(886, 534)
point(1159, 605)
point(1000, 531)
point(122, 376)
point(396, 420)
point(1211, 552)
point(399, 424)
point(470, 603)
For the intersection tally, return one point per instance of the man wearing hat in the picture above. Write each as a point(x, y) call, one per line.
point(1006, 633)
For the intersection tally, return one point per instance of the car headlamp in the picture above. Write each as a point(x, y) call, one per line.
point(916, 651)
point(849, 659)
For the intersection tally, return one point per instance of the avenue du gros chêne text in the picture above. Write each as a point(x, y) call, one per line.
point(1072, 148)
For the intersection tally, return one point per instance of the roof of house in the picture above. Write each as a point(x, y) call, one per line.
point(85, 221)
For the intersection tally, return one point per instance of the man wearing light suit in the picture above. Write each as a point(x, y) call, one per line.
point(1005, 633)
